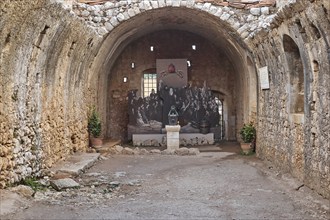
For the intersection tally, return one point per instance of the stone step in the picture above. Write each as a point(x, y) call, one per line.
point(76, 164)
point(62, 184)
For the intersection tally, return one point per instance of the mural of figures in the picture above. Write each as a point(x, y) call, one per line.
point(195, 106)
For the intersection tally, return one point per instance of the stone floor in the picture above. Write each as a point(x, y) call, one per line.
point(211, 185)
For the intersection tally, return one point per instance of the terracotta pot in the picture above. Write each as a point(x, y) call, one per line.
point(96, 142)
point(246, 147)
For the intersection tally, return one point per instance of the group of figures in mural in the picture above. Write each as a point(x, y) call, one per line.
point(194, 105)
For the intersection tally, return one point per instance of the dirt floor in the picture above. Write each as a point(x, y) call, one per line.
point(212, 185)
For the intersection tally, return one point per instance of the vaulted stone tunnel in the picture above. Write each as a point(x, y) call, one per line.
point(221, 60)
point(59, 58)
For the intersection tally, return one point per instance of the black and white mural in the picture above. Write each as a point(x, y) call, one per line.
point(197, 108)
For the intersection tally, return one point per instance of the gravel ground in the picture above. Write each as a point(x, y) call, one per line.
point(212, 185)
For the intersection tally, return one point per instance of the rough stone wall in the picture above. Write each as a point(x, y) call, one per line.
point(207, 64)
point(44, 89)
point(297, 142)
point(246, 20)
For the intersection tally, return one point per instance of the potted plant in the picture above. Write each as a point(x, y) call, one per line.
point(248, 135)
point(94, 128)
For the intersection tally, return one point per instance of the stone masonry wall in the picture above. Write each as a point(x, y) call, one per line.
point(247, 20)
point(43, 102)
point(297, 142)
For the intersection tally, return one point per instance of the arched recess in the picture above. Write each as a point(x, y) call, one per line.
point(296, 76)
point(221, 100)
point(253, 96)
point(200, 24)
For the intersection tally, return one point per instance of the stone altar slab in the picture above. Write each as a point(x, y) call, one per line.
point(186, 139)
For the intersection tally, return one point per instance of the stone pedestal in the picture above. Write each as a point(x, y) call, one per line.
point(173, 137)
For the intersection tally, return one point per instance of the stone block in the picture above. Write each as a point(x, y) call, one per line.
point(206, 6)
point(168, 152)
point(23, 190)
point(176, 3)
point(108, 5)
point(114, 21)
point(264, 10)
point(255, 11)
point(66, 183)
point(213, 10)
point(154, 4)
point(182, 151)
point(85, 13)
point(172, 128)
point(121, 17)
point(119, 148)
point(137, 10)
point(147, 5)
point(155, 151)
point(77, 163)
point(218, 13)
point(193, 151)
point(161, 3)
point(173, 144)
point(128, 151)
point(225, 16)
point(131, 12)
point(183, 4)
point(168, 2)
point(148, 139)
point(190, 3)
point(108, 26)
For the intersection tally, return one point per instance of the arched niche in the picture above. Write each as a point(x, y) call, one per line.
point(296, 75)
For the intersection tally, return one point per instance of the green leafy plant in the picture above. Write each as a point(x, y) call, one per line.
point(248, 133)
point(94, 123)
point(33, 183)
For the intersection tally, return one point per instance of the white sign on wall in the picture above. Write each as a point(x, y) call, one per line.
point(263, 77)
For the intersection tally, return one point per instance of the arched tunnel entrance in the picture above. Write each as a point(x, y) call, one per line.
point(215, 54)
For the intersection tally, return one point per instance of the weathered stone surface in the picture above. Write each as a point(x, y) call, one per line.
point(183, 151)
point(255, 11)
point(264, 10)
point(127, 151)
point(193, 151)
point(23, 190)
point(298, 144)
point(77, 163)
point(121, 11)
point(155, 151)
point(62, 184)
point(38, 136)
point(119, 148)
point(168, 152)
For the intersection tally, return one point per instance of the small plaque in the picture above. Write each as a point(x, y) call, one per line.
point(263, 77)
